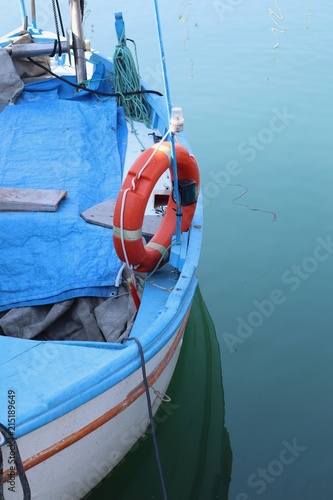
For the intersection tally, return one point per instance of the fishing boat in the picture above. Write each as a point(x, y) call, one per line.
point(101, 228)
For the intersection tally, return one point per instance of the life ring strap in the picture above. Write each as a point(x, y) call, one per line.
point(160, 248)
point(126, 234)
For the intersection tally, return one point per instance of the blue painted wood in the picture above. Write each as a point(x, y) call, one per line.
point(120, 28)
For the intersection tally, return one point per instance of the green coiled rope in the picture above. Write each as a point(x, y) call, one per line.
point(127, 79)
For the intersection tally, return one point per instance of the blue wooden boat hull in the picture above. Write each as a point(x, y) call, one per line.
point(76, 407)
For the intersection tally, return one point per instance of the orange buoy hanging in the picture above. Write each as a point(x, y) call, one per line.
point(132, 202)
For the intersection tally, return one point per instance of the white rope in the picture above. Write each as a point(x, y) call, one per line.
point(119, 275)
point(153, 153)
point(122, 238)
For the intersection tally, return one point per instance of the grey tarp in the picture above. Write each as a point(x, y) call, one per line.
point(27, 70)
point(13, 73)
point(86, 318)
point(11, 84)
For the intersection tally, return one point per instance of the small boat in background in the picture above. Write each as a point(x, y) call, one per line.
point(101, 228)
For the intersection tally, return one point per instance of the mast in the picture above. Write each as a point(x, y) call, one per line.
point(78, 41)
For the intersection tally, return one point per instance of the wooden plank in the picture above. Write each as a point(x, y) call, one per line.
point(30, 200)
point(102, 215)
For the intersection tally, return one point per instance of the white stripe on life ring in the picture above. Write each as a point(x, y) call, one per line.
point(165, 148)
point(127, 234)
point(160, 248)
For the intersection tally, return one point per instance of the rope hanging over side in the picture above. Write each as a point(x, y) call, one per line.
point(18, 462)
point(150, 412)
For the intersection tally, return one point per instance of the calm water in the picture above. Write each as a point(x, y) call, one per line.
point(255, 82)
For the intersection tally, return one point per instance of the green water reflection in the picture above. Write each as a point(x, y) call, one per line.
point(193, 442)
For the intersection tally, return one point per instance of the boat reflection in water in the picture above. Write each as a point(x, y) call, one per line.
point(193, 442)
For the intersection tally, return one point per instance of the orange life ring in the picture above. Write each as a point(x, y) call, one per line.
point(132, 201)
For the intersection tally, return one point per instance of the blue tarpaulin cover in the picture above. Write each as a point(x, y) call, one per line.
point(77, 144)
